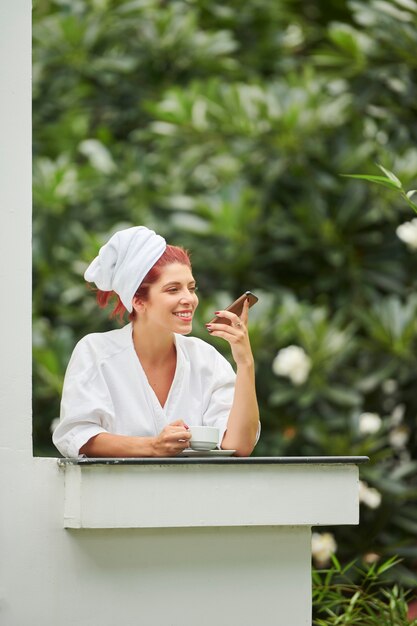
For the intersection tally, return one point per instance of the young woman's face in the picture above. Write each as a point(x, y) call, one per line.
point(172, 299)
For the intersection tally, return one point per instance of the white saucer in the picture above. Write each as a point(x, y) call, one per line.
point(205, 453)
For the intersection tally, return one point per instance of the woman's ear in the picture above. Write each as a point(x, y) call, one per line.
point(138, 305)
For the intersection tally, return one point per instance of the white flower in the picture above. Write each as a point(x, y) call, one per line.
point(294, 363)
point(399, 437)
point(369, 423)
point(369, 496)
point(323, 545)
point(293, 36)
point(407, 232)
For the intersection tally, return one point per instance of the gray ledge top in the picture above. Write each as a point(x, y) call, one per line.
point(261, 460)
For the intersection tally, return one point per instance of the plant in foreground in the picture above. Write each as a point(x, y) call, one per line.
point(390, 181)
point(358, 596)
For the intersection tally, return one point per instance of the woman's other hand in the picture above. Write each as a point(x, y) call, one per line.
point(172, 440)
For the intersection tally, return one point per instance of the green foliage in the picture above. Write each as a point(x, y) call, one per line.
point(226, 127)
point(358, 595)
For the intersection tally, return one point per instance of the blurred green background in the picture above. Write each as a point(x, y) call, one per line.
point(226, 126)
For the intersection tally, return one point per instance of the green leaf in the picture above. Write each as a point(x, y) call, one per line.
point(379, 180)
point(389, 564)
point(391, 176)
point(410, 203)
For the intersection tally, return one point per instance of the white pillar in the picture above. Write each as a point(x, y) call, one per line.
point(15, 226)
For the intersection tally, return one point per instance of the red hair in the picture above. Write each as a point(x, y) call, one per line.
point(172, 254)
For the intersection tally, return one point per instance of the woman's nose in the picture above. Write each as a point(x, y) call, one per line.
point(187, 296)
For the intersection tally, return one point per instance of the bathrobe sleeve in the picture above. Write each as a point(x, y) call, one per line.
point(86, 405)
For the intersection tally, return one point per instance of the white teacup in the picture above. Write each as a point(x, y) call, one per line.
point(204, 437)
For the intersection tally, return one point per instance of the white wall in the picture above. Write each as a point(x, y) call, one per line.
point(16, 463)
point(15, 225)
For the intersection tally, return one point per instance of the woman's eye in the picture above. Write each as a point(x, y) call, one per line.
point(176, 289)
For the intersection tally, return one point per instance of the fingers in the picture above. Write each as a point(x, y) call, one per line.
point(245, 312)
point(235, 333)
point(172, 440)
point(235, 330)
point(175, 433)
point(229, 336)
point(235, 320)
point(229, 316)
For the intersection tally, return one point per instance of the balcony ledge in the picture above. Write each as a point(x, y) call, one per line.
point(210, 492)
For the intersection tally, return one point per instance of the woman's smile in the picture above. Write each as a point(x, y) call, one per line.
point(186, 315)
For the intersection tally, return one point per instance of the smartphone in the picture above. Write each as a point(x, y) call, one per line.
point(236, 307)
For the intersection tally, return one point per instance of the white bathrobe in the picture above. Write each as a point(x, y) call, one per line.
point(106, 390)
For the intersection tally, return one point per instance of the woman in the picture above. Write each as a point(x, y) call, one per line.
point(134, 391)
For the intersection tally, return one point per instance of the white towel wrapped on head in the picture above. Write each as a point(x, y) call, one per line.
point(123, 262)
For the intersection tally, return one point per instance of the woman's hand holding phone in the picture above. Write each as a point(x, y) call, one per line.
point(233, 328)
point(231, 324)
point(235, 307)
